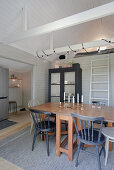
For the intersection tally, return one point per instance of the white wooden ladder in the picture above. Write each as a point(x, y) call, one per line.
point(99, 80)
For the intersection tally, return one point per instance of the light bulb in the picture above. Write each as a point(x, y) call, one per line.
point(13, 80)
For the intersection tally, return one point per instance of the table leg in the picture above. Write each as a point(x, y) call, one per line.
point(16, 106)
point(58, 135)
point(110, 143)
point(70, 139)
point(43, 136)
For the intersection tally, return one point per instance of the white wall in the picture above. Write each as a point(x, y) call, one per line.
point(40, 81)
point(85, 64)
point(112, 79)
point(15, 94)
point(34, 85)
point(23, 94)
point(27, 88)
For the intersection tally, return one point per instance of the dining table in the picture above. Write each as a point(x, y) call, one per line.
point(63, 111)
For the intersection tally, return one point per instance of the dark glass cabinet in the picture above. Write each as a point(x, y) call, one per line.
point(68, 80)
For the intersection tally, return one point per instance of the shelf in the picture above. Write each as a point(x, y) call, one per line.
point(70, 96)
point(14, 87)
point(55, 84)
point(14, 79)
point(69, 84)
point(55, 96)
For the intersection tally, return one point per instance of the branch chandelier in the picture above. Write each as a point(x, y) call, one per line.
point(47, 55)
point(110, 42)
point(74, 51)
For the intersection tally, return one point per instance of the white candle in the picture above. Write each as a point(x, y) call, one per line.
point(73, 99)
point(68, 98)
point(82, 99)
point(64, 96)
point(77, 97)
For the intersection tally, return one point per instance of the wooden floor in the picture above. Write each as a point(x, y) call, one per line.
point(6, 165)
point(23, 120)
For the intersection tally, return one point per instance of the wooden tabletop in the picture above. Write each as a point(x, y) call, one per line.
point(87, 110)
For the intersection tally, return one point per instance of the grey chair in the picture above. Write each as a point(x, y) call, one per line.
point(43, 125)
point(31, 103)
point(89, 135)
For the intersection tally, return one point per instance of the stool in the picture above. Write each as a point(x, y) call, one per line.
point(12, 106)
point(108, 132)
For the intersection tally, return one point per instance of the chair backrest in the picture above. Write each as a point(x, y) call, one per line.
point(87, 130)
point(33, 102)
point(41, 119)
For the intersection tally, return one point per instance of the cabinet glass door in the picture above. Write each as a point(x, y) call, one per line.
point(69, 84)
point(55, 87)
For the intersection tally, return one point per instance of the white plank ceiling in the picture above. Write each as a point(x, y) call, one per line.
point(14, 65)
point(41, 12)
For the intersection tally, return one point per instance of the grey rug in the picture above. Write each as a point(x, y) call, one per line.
point(6, 123)
point(17, 149)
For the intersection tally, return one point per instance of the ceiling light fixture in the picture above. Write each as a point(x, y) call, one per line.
point(74, 51)
point(101, 49)
point(108, 41)
point(84, 48)
point(40, 57)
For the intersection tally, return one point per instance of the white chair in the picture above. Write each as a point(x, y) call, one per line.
point(31, 103)
point(109, 134)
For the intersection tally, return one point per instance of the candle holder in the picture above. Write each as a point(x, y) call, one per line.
point(82, 106)
point(73, 106)
point(64, 103)
point(60, 104)
point(77, 104)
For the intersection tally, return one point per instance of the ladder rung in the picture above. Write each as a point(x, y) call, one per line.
point(99, 74)
point(99, 98)
point(100, 90)
point(100, 59)
point(99, 67)
point(99, 82)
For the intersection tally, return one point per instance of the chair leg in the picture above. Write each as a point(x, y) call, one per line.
point(82, 146)
point(47, 143)
point(102, 149)
point(98, 158)
point(79, 145)
point(31, 128)
point(66, 126)
point(106, 149)
point(34, 139)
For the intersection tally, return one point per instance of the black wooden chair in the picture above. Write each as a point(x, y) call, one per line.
point(43, 125)
point(89, 135)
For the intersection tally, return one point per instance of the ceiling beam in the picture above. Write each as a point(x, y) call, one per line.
point(89, 15)
point(15, 54)
point(51, 41)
